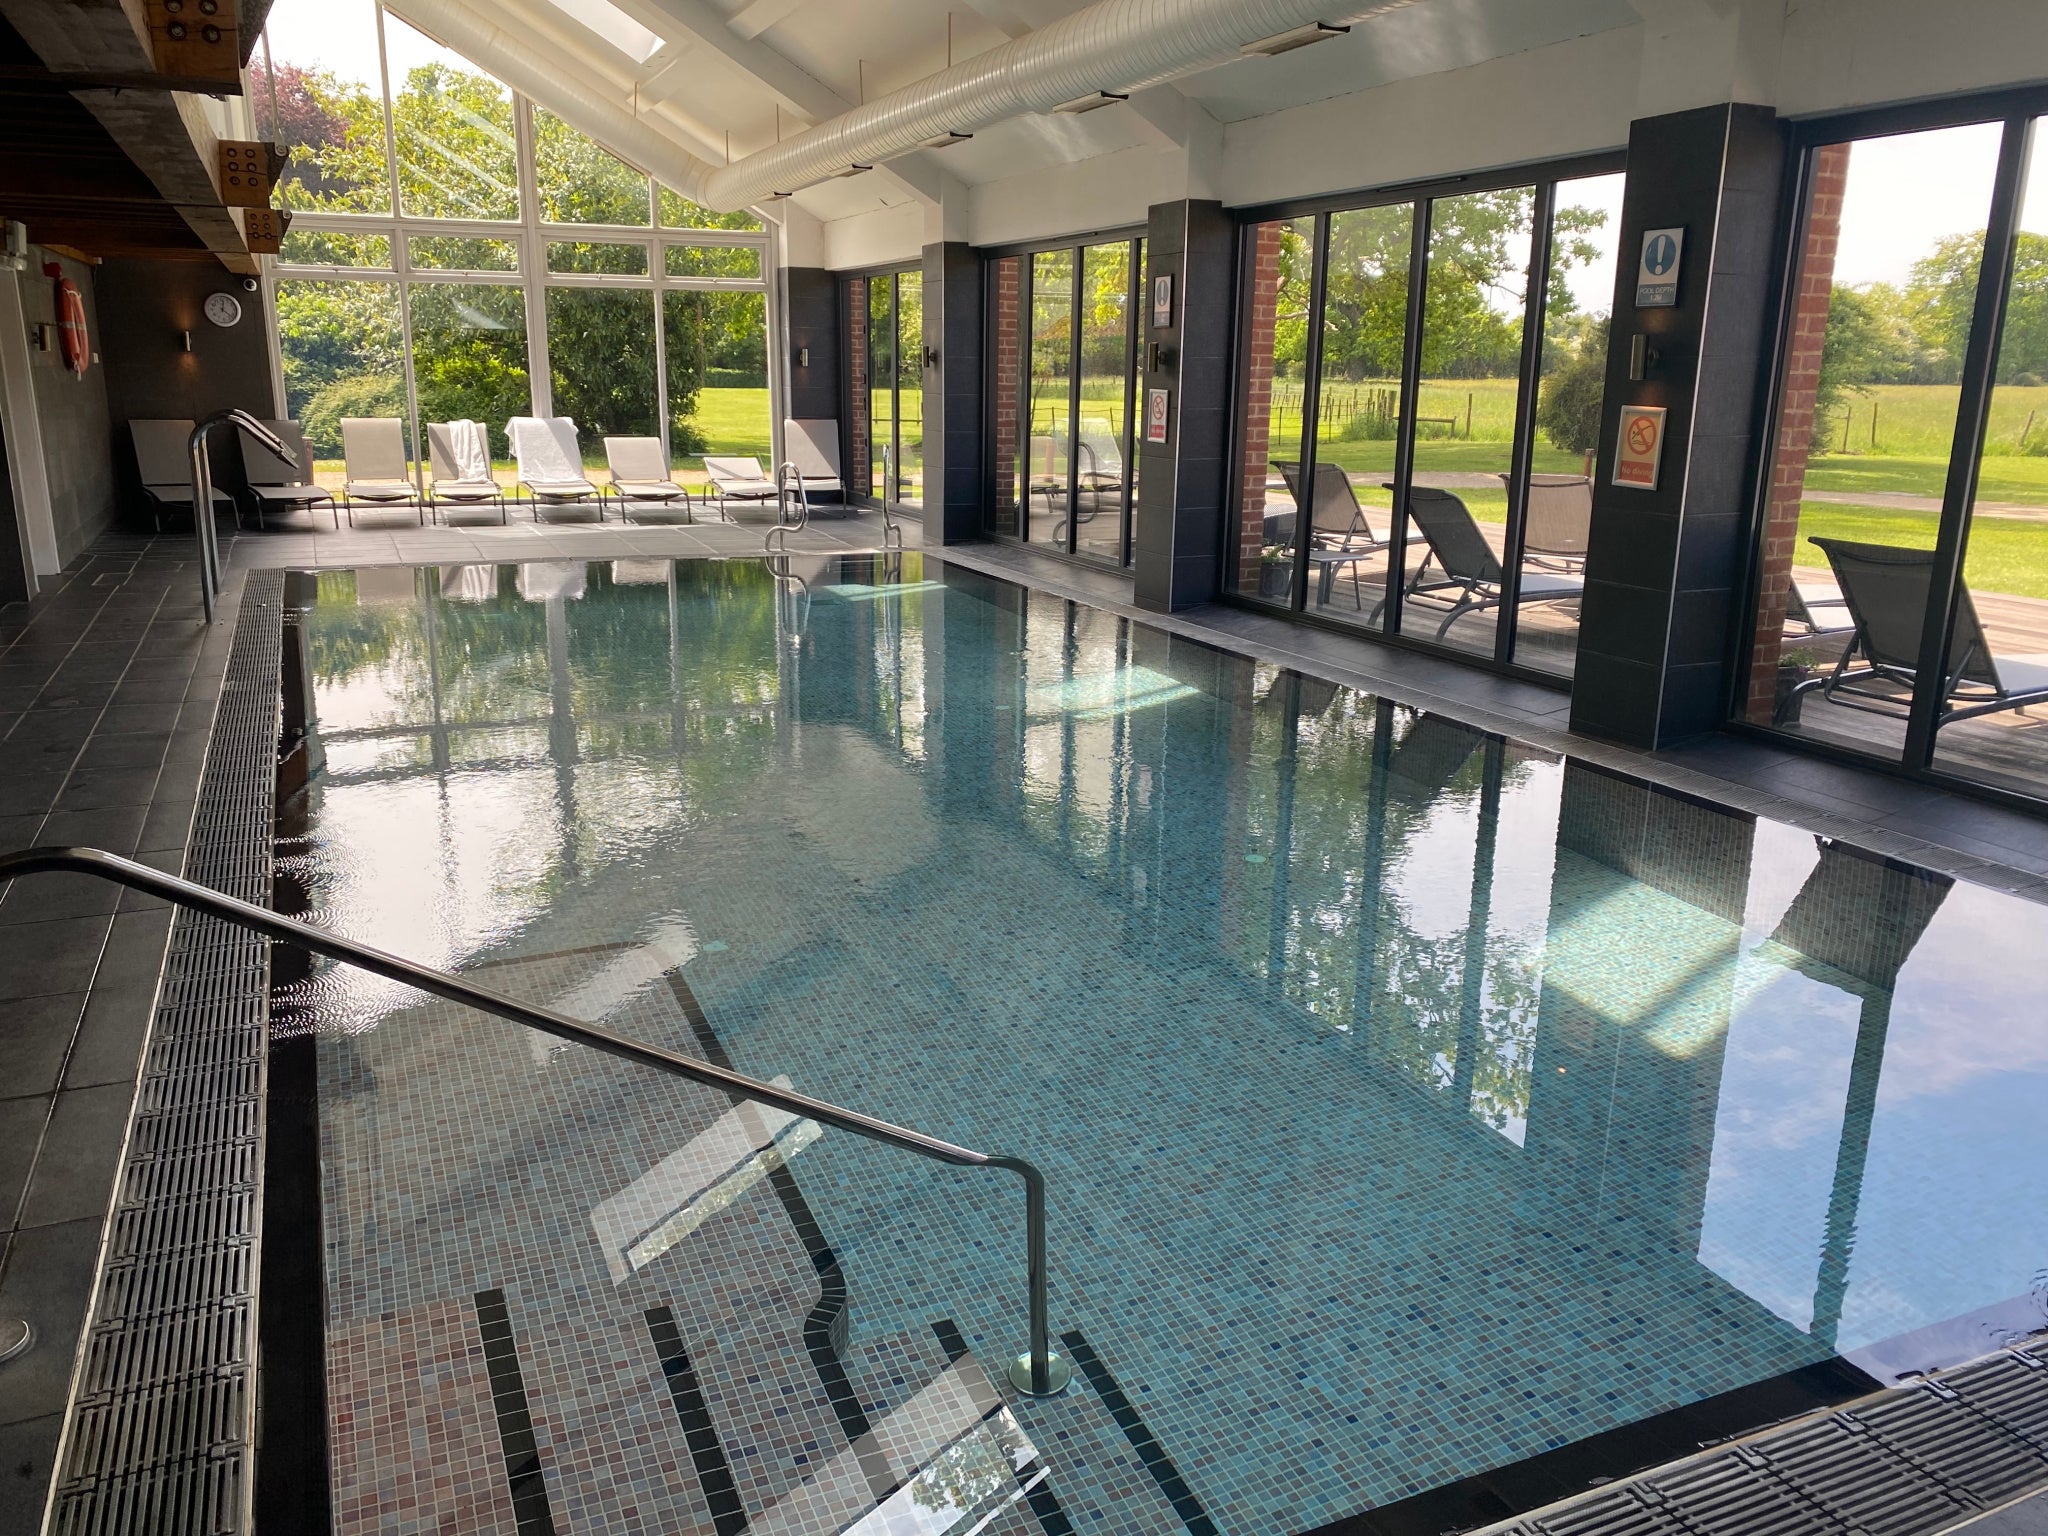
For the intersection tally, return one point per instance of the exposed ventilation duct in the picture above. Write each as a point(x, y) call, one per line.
point(1114, 46)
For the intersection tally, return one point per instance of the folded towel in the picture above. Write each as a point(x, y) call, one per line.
point(472, 450)
point(542, 455)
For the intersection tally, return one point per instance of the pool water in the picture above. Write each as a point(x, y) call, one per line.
point(1413, 1101)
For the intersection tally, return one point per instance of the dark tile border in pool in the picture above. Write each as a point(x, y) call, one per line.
point(523, 1474)
point(700, 1434)
point(1038, 1494)
point(1171, 1484)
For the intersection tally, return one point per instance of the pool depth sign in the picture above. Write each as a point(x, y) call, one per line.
point(1657, 271)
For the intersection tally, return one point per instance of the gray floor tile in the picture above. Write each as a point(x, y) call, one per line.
point(108, 1048)
point(43, 898)
point(74, 1179)
point(28, 1451)
point(134, 958)
point(46, 1278)
point(38, 959)
point(34, 1035)
point(92, 790)
point(135, 749)
point(2029, 1517)
point(117, 829)
point(21, 1137)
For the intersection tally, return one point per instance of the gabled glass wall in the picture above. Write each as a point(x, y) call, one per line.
point(1418, 407)
point(1062, 407)
point(459, 252)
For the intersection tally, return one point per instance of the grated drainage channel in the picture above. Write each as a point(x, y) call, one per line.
point(160, 1433)
point(1909, 1461)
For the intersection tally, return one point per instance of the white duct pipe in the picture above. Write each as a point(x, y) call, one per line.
point(574, 95)
point(1113, 45)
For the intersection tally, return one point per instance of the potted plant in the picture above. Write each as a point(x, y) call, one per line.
point(1276, 573)
point(1795, 667)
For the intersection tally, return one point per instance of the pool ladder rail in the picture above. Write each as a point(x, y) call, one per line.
point(1038, 1372)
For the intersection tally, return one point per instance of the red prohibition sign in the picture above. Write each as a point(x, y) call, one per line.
point(1642, 434)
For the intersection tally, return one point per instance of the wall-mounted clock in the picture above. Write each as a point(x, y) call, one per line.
point(223, 309)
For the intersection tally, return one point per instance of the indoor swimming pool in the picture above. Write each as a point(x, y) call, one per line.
point(1414, 1102)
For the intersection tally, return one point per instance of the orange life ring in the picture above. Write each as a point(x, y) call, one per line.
point(70, 320)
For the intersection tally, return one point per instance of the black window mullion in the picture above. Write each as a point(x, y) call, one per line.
point(1136, 321)
point(1522, 454)
point(1404, 435)
point(1980, 366)
point(1311, 408)
point(1080, 271)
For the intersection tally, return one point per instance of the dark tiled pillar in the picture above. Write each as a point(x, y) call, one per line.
point(1663, 573)
point(1183, 484)
point(952, 394)
point(813, 331)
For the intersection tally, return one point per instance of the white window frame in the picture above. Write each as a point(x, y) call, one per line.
point(530, 235)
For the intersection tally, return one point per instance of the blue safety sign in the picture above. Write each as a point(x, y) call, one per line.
point(1657, 273)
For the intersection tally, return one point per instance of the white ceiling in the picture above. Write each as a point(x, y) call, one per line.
point(748, 71)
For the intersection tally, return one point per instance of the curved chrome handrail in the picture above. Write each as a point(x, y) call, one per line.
point(1038, 1372)
point(202, 492)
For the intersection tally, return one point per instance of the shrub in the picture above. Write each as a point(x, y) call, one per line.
point(1569, 410)
point(356, 394)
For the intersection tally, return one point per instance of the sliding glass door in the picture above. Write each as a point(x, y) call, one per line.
point(1418, 405)
point(1064, 339)
point(1901, 585)
point(886, 385)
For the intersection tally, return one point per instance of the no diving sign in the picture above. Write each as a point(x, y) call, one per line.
point(1657, 272)
point(1639, 446)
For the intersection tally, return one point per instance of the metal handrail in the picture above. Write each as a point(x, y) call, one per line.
point(202, 493)
point(1038, 1372)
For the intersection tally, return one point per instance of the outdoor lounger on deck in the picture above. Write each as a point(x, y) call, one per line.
point(551, 463)
point(812, 466)
point(640, 476)
point(739, 478)
point(377, 471)
point(275, 485)
point(459, 454)
point(1338, 532)
point(1557, 518)
point(1473, 579)
point(1887, 591)
point(162, 458)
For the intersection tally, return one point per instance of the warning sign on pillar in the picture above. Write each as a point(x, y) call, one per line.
point(1157, 408)
point(1639, 446)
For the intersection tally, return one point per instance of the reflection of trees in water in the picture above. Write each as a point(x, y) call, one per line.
point(1325, 921)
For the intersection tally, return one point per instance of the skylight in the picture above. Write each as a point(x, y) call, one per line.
point(614, 26)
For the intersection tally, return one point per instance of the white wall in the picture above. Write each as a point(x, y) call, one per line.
point(879, 238)
point(1572, 98)
point(1103, 193)
point(1839, 54)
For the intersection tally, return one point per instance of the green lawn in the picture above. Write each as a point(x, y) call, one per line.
point(2007, 554)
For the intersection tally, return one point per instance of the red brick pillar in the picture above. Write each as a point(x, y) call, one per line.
point(859, 480)
point(1796, 402)
point(1258, 403)
point(1009, 393)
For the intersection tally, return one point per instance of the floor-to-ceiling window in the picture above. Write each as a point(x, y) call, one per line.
point(1063, 369)
point(1902, 569)
point(885, 381)
point(458, 252)
point(1418, 404)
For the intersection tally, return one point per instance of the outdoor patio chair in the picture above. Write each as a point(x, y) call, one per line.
point(1339, 535)
point(1887, 590)
point(459, 454)
point(734, 478)
point(469, 583)
point(1472, 578)
point(640, 476)
point(1556, 520)
point(1816, 618)
point(163, 460)
point(275, 485)
point(550, 463)
point(811, 467)
point(376, 471)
